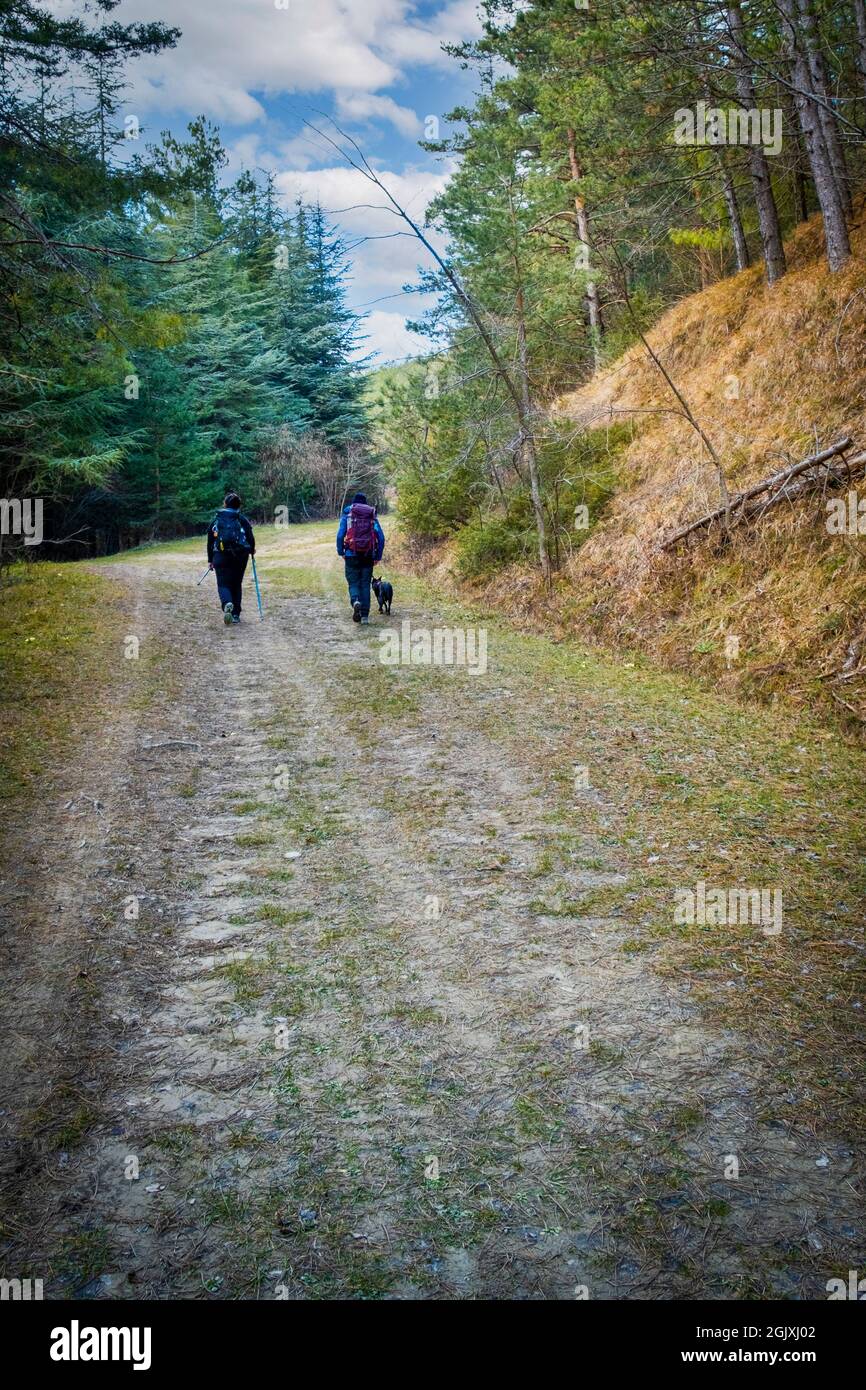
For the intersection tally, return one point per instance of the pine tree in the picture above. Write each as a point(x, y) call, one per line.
point(67, 316)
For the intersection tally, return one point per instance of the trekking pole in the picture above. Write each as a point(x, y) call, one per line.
point(258, 590)
point(204, 576)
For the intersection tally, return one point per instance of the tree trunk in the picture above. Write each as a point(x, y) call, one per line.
point(527, 437)
point(741, 248)
point(801, 192)
point(820, 86)
point(732, 204)
point(518, 391)
point(832, 210)
point(596, 325)
point(860, 17)
point(759, 168)
point(798, 167)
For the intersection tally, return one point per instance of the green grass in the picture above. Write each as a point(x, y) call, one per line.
point(82, 1256)
point(280, 916)
point(61, 640)
point(187, 545)
point(704, 787)
point(713, 787)
point(247, 978)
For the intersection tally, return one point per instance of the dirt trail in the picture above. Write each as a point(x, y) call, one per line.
point(343, 1050)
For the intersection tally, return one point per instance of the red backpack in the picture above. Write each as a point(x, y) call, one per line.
point(361, 530)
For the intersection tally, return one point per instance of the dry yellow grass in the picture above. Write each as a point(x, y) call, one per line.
point(770, 374)
point(796, 350)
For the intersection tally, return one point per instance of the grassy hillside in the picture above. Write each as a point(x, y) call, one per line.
point(770, 373)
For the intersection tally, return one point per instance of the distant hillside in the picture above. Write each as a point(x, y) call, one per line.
point(770, 373)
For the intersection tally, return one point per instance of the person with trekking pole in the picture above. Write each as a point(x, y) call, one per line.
point(360, 541)
point(230, 544)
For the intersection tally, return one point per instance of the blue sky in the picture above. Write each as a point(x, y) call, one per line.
point(259, 67)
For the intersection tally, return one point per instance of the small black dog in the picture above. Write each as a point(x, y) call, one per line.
point(384, 594)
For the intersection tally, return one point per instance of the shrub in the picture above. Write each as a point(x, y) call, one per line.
point(487, 545)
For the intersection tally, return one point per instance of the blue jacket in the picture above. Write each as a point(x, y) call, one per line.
point(343, 549)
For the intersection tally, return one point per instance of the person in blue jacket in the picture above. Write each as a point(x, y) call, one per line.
point(360, 541)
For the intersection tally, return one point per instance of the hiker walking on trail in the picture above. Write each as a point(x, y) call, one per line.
point(230, 543)
point(360, 541)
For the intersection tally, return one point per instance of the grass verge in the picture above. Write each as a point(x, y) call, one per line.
point(60, 626)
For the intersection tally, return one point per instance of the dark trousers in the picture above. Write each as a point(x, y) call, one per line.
point(359, 572)
point(230, 578)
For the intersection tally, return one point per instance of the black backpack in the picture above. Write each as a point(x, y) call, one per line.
point(229, 536)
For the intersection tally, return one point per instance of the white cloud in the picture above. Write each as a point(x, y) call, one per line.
point(267, 148)
point(421, 42)
point(364, 106)
point(382, 262)
point(235, 52)
point(203, 92)
point(237, 58)
point(387, 254)
point(389, 338)
point(341, 187)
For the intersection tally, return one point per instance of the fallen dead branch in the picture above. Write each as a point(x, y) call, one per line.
point(811, 474)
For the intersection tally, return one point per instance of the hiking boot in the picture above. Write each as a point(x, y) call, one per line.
point(236, 617)
point(365, 620)
point(227, 613)
point(356, 612)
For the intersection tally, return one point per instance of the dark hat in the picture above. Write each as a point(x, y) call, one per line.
point(359, 497)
